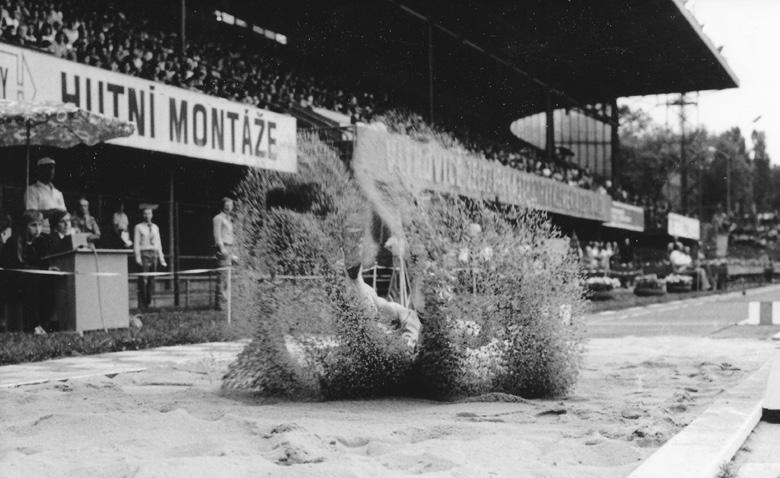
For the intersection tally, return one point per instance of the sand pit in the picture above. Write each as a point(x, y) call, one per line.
point(634, 394)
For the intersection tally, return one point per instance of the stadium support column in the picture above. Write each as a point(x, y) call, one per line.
point(615, 140)
point(550, 128)
point(172, 231)
point(430, 71)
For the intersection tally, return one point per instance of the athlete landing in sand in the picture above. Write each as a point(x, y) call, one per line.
point(399, 317)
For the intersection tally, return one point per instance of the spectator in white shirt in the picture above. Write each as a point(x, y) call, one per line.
point(42, 195)
point(147, 247)
point(679, 259)
point(121, 225)
point(222, 228)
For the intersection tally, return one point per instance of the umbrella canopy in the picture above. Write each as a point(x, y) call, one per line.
point(56, 124)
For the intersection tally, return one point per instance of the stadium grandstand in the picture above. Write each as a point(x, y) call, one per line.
point(532, 85)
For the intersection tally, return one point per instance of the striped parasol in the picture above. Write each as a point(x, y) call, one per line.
point(61, 125)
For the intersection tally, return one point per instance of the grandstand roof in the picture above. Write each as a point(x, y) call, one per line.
point(591, 50)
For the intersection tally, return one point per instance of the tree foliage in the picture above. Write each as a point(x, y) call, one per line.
point(651, 155)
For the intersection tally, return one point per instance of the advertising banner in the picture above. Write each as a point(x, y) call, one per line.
point(628, 217)
point(683, 226)
point(167, 119)
point(429, 166)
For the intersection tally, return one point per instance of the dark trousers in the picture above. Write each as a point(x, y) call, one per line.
point(146, 283)
point(22, 302)
point(221, 293)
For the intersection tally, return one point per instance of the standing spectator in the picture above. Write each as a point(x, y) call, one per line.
point(627, 253)
point(86, 223)
point(222, 228)
point(605, 255)
point(592, 255)
point(42, 195)
point(148, 251)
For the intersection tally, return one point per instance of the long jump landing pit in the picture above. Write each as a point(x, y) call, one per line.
point(170, 420)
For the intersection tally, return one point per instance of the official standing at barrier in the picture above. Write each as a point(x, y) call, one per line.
point(147, 247)
point(223, 243)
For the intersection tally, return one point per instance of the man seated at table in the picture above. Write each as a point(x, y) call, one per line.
point(679, 259)
point(42, 195)
point(86, 223)
point(682, 262)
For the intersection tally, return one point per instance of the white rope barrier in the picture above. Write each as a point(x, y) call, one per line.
point(54, 272)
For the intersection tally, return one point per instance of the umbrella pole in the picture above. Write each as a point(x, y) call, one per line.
point(26, 164)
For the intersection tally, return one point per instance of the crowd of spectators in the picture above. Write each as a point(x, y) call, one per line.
point(101, 35)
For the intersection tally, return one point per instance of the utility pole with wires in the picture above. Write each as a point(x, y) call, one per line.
point(682, 101)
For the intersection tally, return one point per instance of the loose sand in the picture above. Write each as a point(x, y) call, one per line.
point(633, 395)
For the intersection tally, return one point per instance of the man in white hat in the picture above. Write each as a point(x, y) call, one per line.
point(42, 195)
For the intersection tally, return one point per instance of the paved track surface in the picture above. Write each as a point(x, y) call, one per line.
point(714, 316)
point(760, 455)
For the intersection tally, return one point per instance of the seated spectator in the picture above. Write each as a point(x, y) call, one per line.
point(121, 235)
point(58, 240)
point(60, 47)
point(23, 250)
point(682, 262)
point(6, 225)
point(84, 222)
point(679, 259)
point(6, 229)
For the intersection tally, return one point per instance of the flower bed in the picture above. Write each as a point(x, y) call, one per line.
point(159, 329)
point(601, 283)
point(679, 283)
point(601, 287)
point(650, 285)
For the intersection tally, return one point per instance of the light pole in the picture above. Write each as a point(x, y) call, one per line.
point(714, 150)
